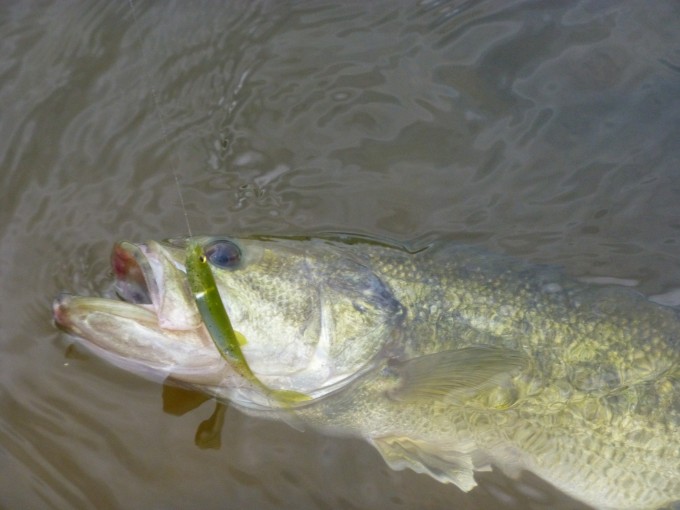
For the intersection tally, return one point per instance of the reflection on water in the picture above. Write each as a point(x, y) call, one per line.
point(542, 129)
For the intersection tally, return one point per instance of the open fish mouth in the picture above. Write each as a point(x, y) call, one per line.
point(131, 270)
point(154, 328)
point(149, 276)
point(152, 275)
point(130, 286)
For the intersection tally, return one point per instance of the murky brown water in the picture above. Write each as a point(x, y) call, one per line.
point(548, 130)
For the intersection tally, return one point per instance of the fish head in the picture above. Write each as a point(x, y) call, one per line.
point(311, 314)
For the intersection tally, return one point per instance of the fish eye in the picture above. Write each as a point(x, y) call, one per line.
point(223, 254)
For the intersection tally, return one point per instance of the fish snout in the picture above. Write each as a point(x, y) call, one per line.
point(60, 307)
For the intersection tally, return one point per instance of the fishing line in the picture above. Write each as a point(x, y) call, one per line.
point(174, 159)
point(200, 277)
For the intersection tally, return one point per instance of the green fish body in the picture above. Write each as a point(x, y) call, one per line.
point(448, 360)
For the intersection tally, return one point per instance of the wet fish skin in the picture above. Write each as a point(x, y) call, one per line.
point(447, 360)
point(596, 412)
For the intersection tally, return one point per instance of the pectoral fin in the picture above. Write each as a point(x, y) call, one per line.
point(444, 464)
point(456, 375)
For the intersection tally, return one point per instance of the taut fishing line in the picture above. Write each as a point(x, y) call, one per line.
point(212, 313)
point(174, 161)
point(202, 281)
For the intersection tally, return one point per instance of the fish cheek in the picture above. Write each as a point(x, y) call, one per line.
point(280, 319)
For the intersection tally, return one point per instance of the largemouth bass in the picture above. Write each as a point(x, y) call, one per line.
point(448, 360)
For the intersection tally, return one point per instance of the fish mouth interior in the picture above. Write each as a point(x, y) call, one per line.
point(152, 276)
point(132, 271)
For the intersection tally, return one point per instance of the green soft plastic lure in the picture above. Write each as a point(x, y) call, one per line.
point(214, 315)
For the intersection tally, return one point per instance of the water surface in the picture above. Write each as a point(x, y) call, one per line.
point(546, 130)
